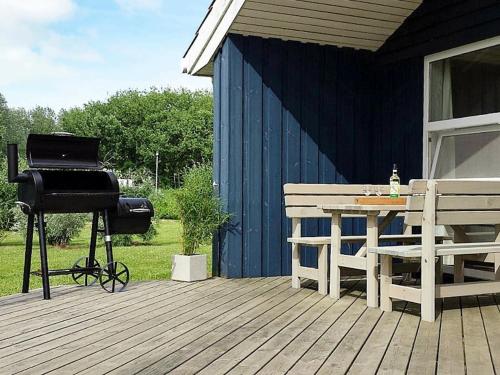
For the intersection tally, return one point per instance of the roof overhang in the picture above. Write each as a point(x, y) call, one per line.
point(359, 24)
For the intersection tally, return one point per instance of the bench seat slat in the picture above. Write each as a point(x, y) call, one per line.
point(325, 240)
point(415, 251)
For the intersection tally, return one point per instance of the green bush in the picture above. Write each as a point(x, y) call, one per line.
point(8, 195)
point(60, 228)
point(128, 239)
point(200, 210)
point(165, 204)
point(143, 183)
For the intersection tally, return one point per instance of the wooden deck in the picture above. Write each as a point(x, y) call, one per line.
point(242, 326)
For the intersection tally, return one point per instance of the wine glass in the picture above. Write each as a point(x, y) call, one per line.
point(366, 190)
point(378, 191)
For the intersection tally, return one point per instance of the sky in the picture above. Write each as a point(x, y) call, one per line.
point(64, 53)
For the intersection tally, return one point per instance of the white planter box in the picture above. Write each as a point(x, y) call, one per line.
point(189, 267)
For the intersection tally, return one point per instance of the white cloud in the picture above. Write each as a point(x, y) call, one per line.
point(40, 11)
point(135, 5)
point(41, 66)
point(30, 50)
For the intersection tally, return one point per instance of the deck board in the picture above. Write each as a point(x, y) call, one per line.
point(242, 326)
point(477, 351)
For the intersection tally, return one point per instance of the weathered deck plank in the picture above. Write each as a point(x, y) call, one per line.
point(477, 351)
point(423, 360)
point(317, 354)
point(243, 326)
point(372, 353)
point(398, 353)
point(491, 319)
point(451, 350)
point(27, 347)
point(153, 355)
point(123, 330)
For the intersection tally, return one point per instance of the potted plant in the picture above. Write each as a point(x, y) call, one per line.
point(200, 213)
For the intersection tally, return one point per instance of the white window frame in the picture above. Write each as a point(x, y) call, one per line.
point(473, 124)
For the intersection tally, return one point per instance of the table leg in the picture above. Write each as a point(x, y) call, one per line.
point(385, 282)
point(336, 233)
point(323, 269)
point(372, 260)
point(381, 227)
point(497, 255)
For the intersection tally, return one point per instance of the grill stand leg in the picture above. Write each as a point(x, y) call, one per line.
point(43, 256)
point(108, 243)
point(27, 253)
point(93, 238)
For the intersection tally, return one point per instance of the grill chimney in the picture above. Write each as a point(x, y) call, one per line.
point(12, 162)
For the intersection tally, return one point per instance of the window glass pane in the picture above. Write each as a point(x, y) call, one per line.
point(469, 156)
point(465, 85)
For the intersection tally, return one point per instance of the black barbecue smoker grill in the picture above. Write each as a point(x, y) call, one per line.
point(66, 176)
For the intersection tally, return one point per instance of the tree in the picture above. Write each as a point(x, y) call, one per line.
point(134, 125)
point(43, 120)
point(4, 118)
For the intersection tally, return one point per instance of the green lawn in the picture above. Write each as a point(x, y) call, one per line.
point(145, 261)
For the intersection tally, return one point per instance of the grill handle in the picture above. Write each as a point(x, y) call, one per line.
point(23, 204)
point(140, 210)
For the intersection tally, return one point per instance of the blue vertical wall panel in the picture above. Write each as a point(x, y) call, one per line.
point(252, 158)
point(291, 137)
point(328, 125)
point(272, 187)
point(231, 160)
point(310, 107)
point(216, 155)
point(223, 158)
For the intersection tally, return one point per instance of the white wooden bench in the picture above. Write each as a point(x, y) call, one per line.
point(301, 202)
point(443, 202)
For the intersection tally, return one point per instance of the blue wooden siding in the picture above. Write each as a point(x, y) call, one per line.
point(285, 112)
point(439, 25)
point(293, 112)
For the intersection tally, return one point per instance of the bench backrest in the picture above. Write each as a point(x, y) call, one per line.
point(456, 202)
point(301, 200)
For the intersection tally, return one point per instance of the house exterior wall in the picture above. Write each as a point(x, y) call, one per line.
point(292, 112)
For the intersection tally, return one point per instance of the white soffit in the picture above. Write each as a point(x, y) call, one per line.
point(360, 24)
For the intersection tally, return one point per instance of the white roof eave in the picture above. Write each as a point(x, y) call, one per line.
point(359, 24)
point(210, 35)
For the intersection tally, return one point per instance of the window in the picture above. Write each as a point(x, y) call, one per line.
point(467, 155)
point(465, 85)
point(462, 112)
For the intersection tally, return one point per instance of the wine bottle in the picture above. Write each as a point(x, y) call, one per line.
point(394, 183)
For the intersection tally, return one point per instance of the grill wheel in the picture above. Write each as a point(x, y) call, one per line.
point(85, 278)
point(114, 277)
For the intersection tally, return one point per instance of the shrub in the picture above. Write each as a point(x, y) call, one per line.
point(8, 194)
point(128, 239)
point(143, 183)
point(60, 228)
point(165, 204)
point(200, 210)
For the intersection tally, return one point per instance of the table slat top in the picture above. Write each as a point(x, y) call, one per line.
point(360, 208)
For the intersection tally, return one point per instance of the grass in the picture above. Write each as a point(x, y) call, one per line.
point(152, 261)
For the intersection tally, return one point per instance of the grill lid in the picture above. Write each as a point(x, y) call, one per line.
point(62, 150)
